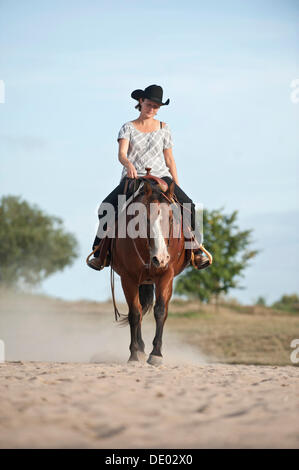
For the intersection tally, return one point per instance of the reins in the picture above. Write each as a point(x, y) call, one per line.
point(146, 265)
point(112, 283)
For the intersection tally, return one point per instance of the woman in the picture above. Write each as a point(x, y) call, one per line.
point(146, 142)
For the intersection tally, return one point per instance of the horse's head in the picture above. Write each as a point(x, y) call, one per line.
point(158, 222)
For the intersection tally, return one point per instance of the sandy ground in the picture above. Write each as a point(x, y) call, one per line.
point(66, 384)
point(80, 405)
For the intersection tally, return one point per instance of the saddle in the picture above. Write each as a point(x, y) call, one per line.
point(133, 184)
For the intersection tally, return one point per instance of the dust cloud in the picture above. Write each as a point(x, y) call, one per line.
point(40, 328)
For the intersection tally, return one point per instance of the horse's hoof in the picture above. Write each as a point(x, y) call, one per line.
point(155, 360)
point(141, 356)
point(133, 360)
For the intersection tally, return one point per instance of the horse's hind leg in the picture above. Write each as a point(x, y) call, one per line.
point(140, 353)
point(131, 292)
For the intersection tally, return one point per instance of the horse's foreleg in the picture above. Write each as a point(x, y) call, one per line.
point(131, 292)
point(163, 295)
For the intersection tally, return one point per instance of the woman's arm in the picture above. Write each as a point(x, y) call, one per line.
point(170, 163)
point(122, 157)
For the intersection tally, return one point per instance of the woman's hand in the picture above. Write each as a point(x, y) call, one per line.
point(131, 171)
point(122, 156)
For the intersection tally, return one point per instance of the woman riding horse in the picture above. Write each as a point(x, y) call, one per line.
point(146, 142)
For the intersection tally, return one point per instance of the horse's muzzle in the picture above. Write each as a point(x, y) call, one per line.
point(160, 263)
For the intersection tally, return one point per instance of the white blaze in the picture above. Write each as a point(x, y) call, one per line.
point(160, 249)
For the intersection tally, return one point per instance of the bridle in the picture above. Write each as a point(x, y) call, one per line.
point(147, 265)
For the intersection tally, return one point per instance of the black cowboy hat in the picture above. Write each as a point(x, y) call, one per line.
point(152, 92)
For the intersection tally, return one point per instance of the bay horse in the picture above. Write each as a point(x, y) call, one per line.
point(152, 260)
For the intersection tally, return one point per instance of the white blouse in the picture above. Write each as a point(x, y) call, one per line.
point(146, 149)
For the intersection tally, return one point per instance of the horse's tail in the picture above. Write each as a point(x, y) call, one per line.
point(146, 297)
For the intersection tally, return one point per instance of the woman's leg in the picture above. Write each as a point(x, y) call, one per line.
point(200, 260)
point(112, 198)
point(183, 198)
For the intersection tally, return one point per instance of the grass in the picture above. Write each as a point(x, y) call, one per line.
point(236, 334)
point(263, 310)
point(190, 314)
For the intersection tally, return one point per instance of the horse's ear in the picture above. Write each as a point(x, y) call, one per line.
point(170, 191)
point(147, 189)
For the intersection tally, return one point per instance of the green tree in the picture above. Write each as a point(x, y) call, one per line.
point(231, 252)
point(261, 301)
point(288, 303)
point(33, 245)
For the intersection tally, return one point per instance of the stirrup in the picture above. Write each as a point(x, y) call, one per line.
point(92, 265)
point(209, 256)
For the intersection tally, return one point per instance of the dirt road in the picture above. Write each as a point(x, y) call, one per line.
point(119, 405)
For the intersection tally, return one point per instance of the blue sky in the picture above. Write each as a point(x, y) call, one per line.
point(69, 68)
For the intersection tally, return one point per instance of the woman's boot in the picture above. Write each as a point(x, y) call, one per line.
point(101, 257)
point(200, 260)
